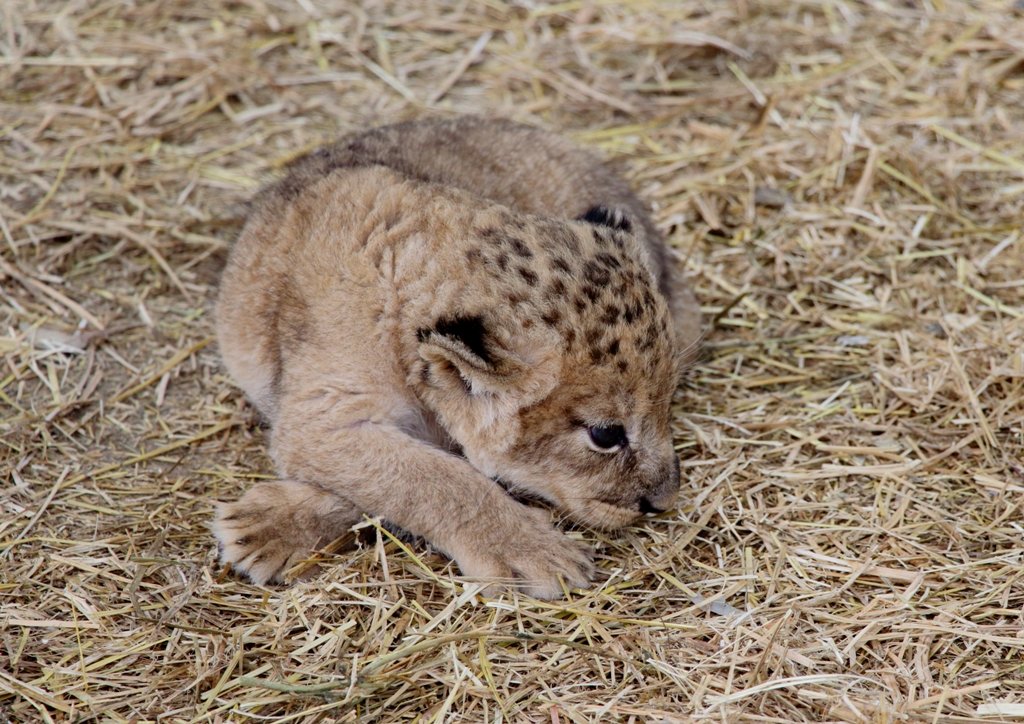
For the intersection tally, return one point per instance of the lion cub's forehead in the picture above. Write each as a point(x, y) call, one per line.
point(587, 283)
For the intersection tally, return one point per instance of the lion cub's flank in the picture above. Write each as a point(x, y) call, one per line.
point(423, 309)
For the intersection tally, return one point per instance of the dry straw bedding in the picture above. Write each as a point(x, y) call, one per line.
point(846, 182)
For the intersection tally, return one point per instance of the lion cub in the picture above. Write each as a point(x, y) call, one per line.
point(427, 309)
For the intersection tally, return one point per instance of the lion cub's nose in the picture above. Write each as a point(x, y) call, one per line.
point(663, 496)
point(646, 506)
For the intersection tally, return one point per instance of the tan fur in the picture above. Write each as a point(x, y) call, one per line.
point(417, 313)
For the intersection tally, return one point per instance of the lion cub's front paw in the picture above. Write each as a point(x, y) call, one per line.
point(256, 542)
point(276, 525)
point(533, 553)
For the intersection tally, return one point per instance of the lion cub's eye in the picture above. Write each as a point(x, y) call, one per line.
point(607, 438)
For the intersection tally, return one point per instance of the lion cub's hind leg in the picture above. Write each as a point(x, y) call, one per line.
point(277, 524)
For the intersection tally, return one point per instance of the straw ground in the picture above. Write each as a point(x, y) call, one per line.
point(845, 181)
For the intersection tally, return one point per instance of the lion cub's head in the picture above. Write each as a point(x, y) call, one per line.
point(557, 375)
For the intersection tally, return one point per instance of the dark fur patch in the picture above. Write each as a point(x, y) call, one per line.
point(561, 265)
point(607, 260)
point(502, 261)
point(551, 318)
point(613, 348)
point(286, 316)
point(611, 314)
point(596, 273)
point(633, 311)
point(650, 337)
point(602, 236)
point(603, 216)
point(591, 292)
point(556, 289)
point(520, 247)
point(623, 365)
point(304, 172)
point(474, 256)
point(289, 187)
point(471, 331)
point(528, 276)
point(496, 235)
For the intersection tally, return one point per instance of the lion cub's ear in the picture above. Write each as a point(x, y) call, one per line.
point(464, 354)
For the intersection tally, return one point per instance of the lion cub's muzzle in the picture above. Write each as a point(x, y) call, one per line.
point(663, 495)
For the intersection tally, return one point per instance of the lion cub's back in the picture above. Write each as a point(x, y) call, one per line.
point(528, 169)
point(525, 168)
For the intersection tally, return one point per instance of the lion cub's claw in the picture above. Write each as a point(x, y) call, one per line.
point(571, 565)
point(251, 544)
point(277, 524)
